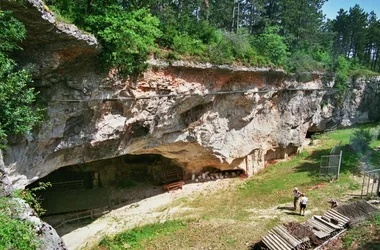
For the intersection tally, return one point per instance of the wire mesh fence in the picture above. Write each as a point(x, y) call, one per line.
point(330, 165)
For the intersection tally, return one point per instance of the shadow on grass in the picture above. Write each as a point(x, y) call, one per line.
point(293, 213)
point(286, 208)
point(311, 164)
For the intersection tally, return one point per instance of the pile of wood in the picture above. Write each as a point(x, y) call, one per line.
point(303, 232)
point(207, 176)
point(357, 211)
point(310, 233)
point(279, 238)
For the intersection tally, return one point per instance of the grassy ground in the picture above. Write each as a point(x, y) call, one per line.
point(241, 214)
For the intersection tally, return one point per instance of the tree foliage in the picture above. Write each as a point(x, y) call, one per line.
point(358, 36)
point(272, 46)
point(16, 114)
point(194, 28)
point(127, 37)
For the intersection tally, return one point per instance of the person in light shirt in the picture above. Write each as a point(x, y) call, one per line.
point(303, 203)
point(297, 195)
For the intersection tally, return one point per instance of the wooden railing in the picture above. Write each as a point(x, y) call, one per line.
point(66, 185)
point(79, 216)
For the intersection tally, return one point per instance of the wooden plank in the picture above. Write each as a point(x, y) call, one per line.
point(280, 241)
point(320, 234)
point(323, 227)
point(329, 224)
point(339, 215)
point(293, 242)
point(318, 226)
point(270, 243)
point(274, 244)
point(287, 232)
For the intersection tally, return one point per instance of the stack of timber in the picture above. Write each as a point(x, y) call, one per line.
point(357, 211)
point(323, 227)
point(279, 238)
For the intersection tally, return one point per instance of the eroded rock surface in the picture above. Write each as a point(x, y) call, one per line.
point(199, 115)
point(18, 208)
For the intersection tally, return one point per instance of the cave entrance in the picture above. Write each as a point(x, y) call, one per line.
point(106, 183)
point(272, 155)
point(314, 129)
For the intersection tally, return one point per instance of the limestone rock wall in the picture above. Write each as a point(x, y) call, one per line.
point(198, 115)
point(361, 103)
point(18, 208)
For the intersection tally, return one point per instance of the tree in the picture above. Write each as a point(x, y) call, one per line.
point(16, 114)
point(127, 37)
point(300, 22)
point(272, 46)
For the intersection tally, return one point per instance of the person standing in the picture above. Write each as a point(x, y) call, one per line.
point(296, 197)
point(303, 203)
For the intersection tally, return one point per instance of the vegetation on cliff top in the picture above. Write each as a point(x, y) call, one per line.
point(16, 114)
point(282, 33)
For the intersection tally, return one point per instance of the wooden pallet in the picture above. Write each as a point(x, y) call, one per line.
point(174, 186)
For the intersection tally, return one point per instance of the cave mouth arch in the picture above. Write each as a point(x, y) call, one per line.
point(106, 183)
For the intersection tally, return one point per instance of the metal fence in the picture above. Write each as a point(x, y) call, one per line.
point(371, 183)
point(330, 166)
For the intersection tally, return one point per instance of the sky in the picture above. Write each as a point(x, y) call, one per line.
point(331, 7)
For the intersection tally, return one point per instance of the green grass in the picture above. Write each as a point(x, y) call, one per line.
point(138, 237)
point(241, 207)
point(365, 235)
point(363, 72)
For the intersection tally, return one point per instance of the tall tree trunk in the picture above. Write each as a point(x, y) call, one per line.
point(89, 6)
point(233, 18)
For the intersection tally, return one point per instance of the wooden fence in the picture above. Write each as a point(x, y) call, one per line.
point(80, 216)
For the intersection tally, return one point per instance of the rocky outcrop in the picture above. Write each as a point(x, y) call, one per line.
point(18, 208)
point(198, 115)
point(360, 103)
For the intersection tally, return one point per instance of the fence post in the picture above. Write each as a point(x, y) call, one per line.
point(361, 195)
point(340, 161)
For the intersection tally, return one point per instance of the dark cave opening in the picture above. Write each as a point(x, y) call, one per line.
point(106, 183)
point(309, 134)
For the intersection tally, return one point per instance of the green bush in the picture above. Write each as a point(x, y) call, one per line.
point(300, 62)
point(127, 37)
point(187, 45)
point(361, 139)
point(15, 233)
point(230, 47)
point(341, 78)
point(16, 114)
point(271, 45)
point(31, 198)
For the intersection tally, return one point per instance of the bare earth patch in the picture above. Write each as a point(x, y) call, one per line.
point(149, 210)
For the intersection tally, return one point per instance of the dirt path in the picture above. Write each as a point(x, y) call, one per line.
point(137, 214)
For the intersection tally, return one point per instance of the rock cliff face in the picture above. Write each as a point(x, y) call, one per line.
point(18, 208)
point(198, 115)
